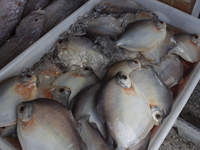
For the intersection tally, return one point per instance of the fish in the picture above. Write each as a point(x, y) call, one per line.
point(81, 51)
point(10, 15)
point(142, 35)
point(125, 111)
point(109, 26)
point(26, 33)
point(119, 7)
point(155, 91)
point(188, 47)
point(9, 131)
point(77, 80)
point(48, 125)
point(143, 144)
point(47, 73)
point(126, 66)
point(84, 105)
point(58, 10)
point(33, 5)
point(91, 135)
point(15, 90)
point(156, 54)
point(59, 93)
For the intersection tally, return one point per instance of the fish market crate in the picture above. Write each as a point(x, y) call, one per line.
point(166, 13)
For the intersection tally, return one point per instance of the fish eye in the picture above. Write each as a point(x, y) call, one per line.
point(36, 19)
point(154, 14)
point(61, 90)
point(60, 41)
point(19, 4)
point(135, 61)
point(196, 36)
point(86, 68)
point(28, 76)
point(158, 116)
point(124, 77)
point(161, 22)
point(22, 109)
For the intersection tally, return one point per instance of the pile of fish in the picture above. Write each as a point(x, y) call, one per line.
point(23, 22)
point(105, 86)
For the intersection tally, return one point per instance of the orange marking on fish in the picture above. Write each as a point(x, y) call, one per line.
point(192, 43)
point(28, 92)
point(145, 15)
point(29, 126)
point(76, 75)
point(152, 102)
point(130, 91)
point(53, 72)
point(47, 93)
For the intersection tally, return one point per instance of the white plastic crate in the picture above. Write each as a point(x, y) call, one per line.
point(166, 13)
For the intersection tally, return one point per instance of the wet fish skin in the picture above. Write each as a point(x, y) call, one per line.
point(154, 55)
point(142, 35)
point(119, 7)
point(58, 10)
point(77, 80)
point(155, 91)
point(33, 5)
point(27, 32)
point(126, 66)
point(91, 135)
point(46, 124)
point(188, 47)
point(81, 51)
point(120, 105)
point(13, 91)
point(60, 94)
point(10, 15)
point(84, 104)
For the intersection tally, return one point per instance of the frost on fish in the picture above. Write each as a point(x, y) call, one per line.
point(81, 51)
point(188, 47)
point(118, 6)
point(155, 54)
point(142, 35)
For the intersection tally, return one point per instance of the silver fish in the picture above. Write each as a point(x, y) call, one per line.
point(155, 91)
point(47, 125)
point(84, 104)
point(91, 135)
point(14, 91)
point(81, 51)
point(10, 15)
point(188, 47)
point(166, 70)
point(59, 93)
point(142, 35)
point(27, 32)
point(58, 10)
point(125, 111)
point(126, 66)
point(77, 80)
point(143, 144)
point(119, 6)
point(154, 55)
point(111, 26)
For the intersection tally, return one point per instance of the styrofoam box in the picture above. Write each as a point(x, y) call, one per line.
point(166, 13)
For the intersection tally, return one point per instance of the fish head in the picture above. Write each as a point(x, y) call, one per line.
point(160, 25)
point(33, 23)
point(62, 94)
point(25, 111)
point(134, 64)
point(85, 71)
point(157, 115)
point(123, 79)
point(195, 39)
point(27, 77)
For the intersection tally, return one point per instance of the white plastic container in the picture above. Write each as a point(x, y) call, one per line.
point(166, 13)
